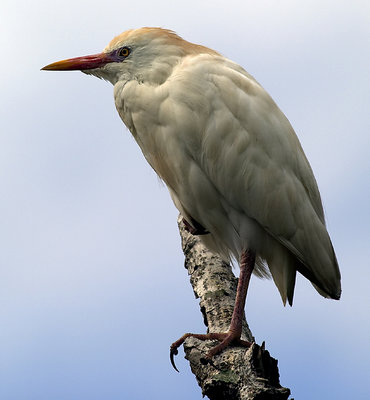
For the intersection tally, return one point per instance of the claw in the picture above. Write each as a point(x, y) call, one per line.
point(173, 352)
point(195, 228)
point(224, 338)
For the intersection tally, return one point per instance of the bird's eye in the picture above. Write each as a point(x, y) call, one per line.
point(123, 52)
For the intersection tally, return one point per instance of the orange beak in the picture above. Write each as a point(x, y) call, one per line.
point(81, 63)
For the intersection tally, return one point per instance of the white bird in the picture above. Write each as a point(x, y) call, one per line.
point(230, 158)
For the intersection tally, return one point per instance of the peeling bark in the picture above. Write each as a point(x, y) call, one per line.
point(238, 373)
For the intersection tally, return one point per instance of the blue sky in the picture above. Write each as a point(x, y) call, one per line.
point(92, 284)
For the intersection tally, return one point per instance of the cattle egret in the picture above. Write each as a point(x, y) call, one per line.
point(231, 161)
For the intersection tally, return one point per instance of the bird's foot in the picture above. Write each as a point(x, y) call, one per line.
point(225, 339)
point(197, 229)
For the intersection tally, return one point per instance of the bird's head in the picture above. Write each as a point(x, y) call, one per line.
point(145, 54)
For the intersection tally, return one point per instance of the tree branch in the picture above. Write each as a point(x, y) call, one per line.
point(237, 373)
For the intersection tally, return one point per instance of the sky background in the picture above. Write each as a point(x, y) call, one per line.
point(92, 285)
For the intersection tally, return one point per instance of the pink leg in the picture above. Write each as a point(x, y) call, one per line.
point(247, 261)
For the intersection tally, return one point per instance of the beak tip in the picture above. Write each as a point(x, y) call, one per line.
point(53, 67)
point(46, 68)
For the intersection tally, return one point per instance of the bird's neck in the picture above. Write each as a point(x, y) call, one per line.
point(158, 71)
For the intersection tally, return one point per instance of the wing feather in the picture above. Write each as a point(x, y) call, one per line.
point(265, 173)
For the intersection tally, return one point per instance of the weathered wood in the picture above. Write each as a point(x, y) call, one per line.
point(237, 373)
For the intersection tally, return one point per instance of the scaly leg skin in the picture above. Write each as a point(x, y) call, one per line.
point(247, 261)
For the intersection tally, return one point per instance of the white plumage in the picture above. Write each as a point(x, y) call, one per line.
point(228, 155)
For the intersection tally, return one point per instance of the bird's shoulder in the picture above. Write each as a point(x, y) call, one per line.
point(213, 72)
